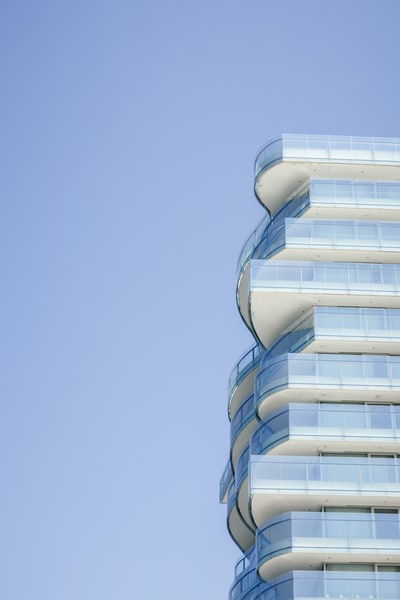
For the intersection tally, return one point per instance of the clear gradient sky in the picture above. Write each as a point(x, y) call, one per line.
point(128, 134)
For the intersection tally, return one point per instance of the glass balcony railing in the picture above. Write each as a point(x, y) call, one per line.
point(325, 277)
point(354, 584)
point(352, 193)
point(253, 241)
point(331, 193)
point(245, 576)
point(249, 361)
point(332, 532)
point(226, 478)
point(328, 371)
point(231, 498)
point(244, 414)
point(336, 149)
point(246, 562)
point(322, 474)
point(244, 584)
point(331, 421)
point(242, 466)
point(322, 234)
point(340, 324)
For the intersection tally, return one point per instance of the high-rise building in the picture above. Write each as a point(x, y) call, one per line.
point(312, 484)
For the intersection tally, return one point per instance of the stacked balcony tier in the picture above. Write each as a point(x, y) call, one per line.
point(312, 483)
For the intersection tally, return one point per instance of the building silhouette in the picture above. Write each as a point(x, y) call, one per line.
point(312, 484)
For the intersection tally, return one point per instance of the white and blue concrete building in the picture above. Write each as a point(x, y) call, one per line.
point(312, 485)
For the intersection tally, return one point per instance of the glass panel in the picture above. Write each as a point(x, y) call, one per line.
point(387, 523)
point(380, 417)
point(344, 231)
point(367, 231)
point(323, 230)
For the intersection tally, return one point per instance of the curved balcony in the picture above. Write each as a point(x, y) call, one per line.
point(241, 379)
point(243, 424)
point(246, 578)
point(285, 163)
point(332, 585)
point(239, 531)
point(273, 294)
point(225, 481)
point(298, 429)
point(353, 199)
point(326, 377)
point(252, 242)
point(339, 329)
point(307, 540)
point(241, 483)
point(285, 483)
point(349, 240)
point(327, 199)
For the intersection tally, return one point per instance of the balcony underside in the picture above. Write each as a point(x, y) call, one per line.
point(274, 400)
point(367, 345)
point(312, 556)
point(239, 531)
point(314, 252)
point(273, 311)
point(275, 184)
point(242, 439)
point(243, 389)
point(353, 213)
point(309, 444)
point(243, 503)
point(265, 504)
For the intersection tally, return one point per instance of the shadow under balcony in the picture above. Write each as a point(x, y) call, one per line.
point(242, 487)
point(341, 329)
point(240, 532)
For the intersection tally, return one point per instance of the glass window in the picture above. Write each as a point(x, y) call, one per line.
point(376, 321)
point(307, 417)
point(395, 372)
point(344, 231)
point(367, 231)
point(380, 417)
point(344, 189)
point(331, 416)
point(349, 567)
point(352, 369)
point(352, 320)
point(386, 523)
point(365, 190)
point(376, 369)
point(323, 230)
point(394, 321)
point(328, 368)
point(278, 422)
point(355, 419)
point(390, 232)
point(389, 587)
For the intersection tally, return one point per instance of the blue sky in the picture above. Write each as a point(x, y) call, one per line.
point(129, 130)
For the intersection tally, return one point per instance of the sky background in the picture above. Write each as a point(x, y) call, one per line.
point(128, 135)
